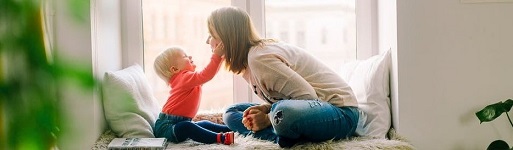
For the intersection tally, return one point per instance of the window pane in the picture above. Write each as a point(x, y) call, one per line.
point(184, 23)
point(324, 28)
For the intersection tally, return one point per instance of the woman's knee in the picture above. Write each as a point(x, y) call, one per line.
point(233, 114)
point(292, 117)
point(281, 112)
point(284, 120)
point(239, 107)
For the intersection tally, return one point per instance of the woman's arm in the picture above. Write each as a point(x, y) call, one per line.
point(272, 71)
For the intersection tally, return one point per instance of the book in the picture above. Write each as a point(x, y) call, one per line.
point(137, 144)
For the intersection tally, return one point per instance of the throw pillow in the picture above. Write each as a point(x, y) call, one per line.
point(369, 80)
point(128, 102)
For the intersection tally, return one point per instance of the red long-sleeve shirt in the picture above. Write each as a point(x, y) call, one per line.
point(185, 91)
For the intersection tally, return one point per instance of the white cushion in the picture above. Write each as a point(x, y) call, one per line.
point(369, 80)
point(128, 102)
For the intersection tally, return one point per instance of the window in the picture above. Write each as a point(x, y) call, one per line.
point(326, 29)
point(183, 23)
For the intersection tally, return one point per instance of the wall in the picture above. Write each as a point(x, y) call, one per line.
point(387, 39)
point(72, 39)
point(106, 49)
point(452, 60)
point(106, 36)
point(94, 41)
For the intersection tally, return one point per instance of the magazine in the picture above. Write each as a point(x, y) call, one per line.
point(137, 144)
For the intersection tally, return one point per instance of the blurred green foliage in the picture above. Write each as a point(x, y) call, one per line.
point(31, 115)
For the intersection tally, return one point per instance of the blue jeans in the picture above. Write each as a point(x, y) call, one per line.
point(297, 121)
point(178, 129)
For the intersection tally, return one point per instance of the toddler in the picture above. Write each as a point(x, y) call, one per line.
point(177, 69)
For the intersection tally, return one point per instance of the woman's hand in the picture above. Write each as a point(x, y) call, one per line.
point(255, 118)
point(219, 50)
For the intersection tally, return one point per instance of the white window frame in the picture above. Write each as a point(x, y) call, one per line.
point(133, 48)
point(132, 42)
point(366, 29)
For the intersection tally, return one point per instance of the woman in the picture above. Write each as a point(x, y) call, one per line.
point(305, 100)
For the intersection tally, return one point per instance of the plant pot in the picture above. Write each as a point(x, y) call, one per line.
point(498, 145)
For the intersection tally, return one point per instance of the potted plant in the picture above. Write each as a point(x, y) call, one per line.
point(31, 75)
point(489, 113)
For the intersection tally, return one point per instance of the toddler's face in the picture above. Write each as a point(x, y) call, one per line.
point(184, 62)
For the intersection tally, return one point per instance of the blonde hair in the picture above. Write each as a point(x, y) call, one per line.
point(237, 33)
point(164, 61)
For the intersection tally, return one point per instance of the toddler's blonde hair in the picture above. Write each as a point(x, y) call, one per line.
point(164, 61)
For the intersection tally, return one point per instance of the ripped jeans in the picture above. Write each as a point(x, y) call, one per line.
point(297, 121)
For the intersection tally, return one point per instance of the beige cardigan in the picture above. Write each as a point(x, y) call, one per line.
point(278, 71)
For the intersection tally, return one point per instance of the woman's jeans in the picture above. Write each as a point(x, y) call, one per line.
point(295, 121)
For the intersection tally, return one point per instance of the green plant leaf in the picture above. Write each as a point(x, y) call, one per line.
point(493, 111)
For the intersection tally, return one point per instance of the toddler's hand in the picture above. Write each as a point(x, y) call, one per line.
point(219, 50)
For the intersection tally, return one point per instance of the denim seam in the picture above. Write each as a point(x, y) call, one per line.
point(174, 133)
